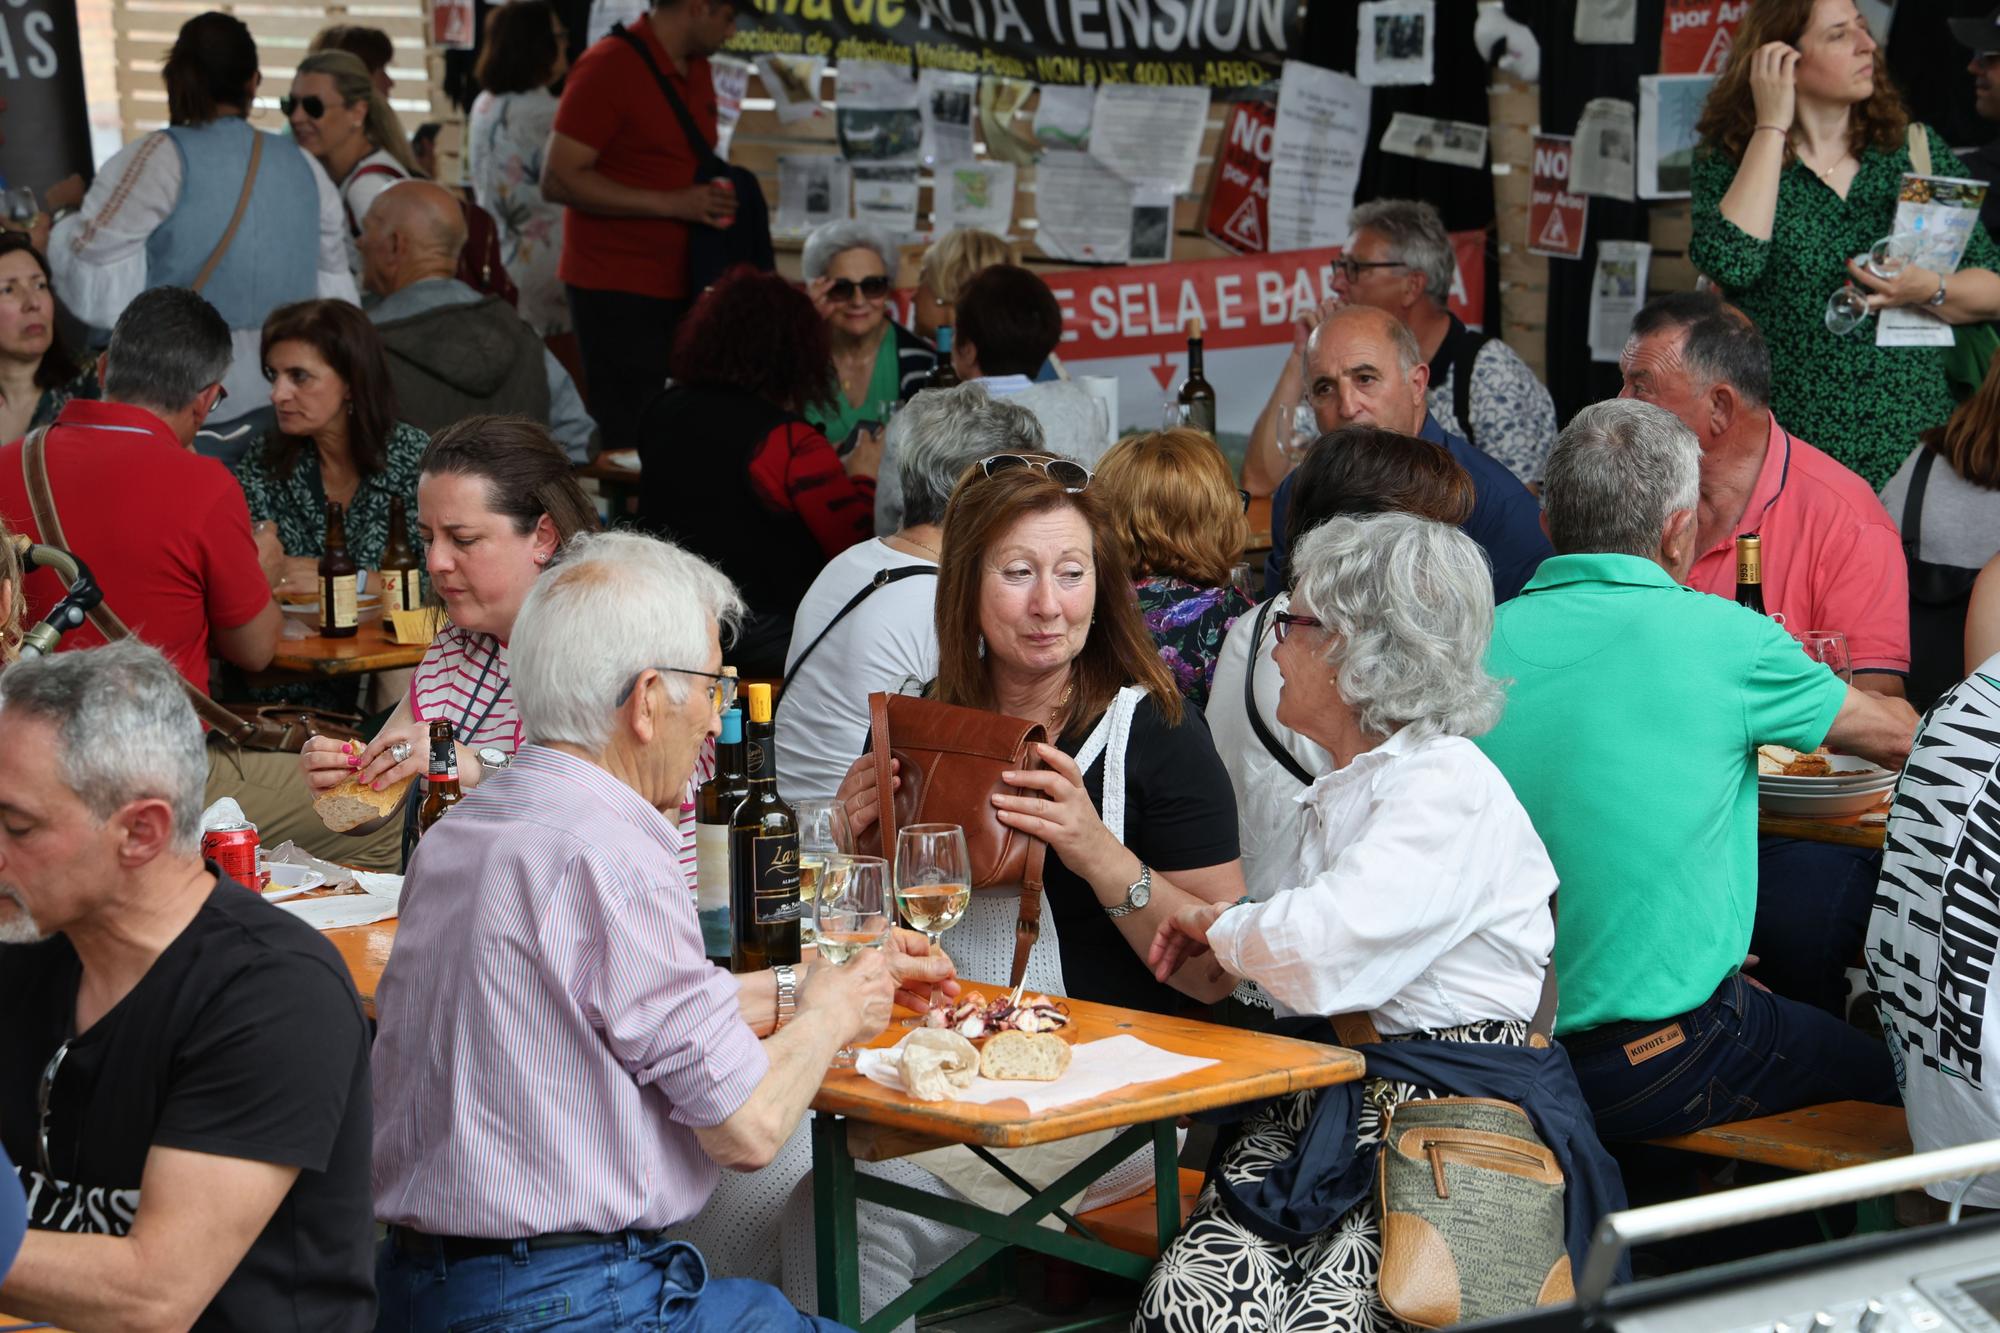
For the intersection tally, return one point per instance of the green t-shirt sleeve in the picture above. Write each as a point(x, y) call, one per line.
point(1720, 248)
point(1788, 698)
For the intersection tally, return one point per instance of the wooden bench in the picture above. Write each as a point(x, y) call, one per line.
point(1132, 1224)
point(1814, 1138)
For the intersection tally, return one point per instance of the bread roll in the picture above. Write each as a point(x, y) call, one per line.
point(937, 1064)
point(353, 803)
point(1034, 1057)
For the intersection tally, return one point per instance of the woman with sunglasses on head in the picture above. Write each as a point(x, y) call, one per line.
point(37, 372)
point(164, 212)
point(735, 473)
point(850, 268)
point(339, 116)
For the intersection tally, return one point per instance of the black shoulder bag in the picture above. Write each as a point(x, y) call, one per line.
point(1257, 723)
point(1939, 598)
point(713, 251)
point(882, 579)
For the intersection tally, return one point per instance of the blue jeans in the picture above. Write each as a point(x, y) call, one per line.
point(632, 1284)
point(1743, 1053)
point(1813, 900)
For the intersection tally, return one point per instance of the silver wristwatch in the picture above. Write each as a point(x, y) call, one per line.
point(1937, 297)
point(788, 995)
point(1137, 894)
point(492, 759)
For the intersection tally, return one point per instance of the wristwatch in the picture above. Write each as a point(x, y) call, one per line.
point(492, 759)
point(788, 995)
point(1937, 297)
point(1137, 894)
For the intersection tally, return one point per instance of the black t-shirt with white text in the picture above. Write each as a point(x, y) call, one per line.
point(245, 1039)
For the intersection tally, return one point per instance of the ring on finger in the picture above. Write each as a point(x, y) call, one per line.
point(400, 751)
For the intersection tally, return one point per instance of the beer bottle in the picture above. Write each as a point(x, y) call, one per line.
point(942, 375)
point(764, 898)
point(339, 616)
point(1197, 396)
point(441, 780)
point(1750, 573)
point(715, 805)
point(402, 574)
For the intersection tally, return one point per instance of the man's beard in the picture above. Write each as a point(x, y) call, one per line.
point(18, 926)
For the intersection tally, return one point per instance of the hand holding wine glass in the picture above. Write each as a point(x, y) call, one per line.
point(933, 878)
point(823, 833)
point(851, 914)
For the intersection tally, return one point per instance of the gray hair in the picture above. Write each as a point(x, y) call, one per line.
point(167, 347)
point(945, 431)
point(1619, 471)
point(831, 239)
point(1408, 354)
point(1719, 343)
point(125, 727)
point(618, 604)
point(1408, 603)
point(1417, 240)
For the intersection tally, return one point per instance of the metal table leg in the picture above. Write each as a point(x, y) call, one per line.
point(834, 1237)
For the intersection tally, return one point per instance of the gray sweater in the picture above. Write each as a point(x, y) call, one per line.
point(1960, 523)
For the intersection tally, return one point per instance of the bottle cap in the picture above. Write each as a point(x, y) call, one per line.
point(732, 727)
point(759, 695)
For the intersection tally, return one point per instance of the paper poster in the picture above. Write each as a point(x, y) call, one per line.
point(1083, 209)
point(1555, 215)
point(731, 78)
point(1617, 290)
point(811, 190)
point(875, 108)
point(1062, 117)
point(1669, 106)
point(1152, 225)
point(1455, 143)
point(1150, 136)
point(1606, 22)
point(1240, 193)
point(1000, 100)
point(1601, 161)
point(974, 194)
point(454, 25)
point(1393, 44)
point(1695, 34)
point(792, 82)
point(945, 98)
point(1315, 156)
point(887, 197)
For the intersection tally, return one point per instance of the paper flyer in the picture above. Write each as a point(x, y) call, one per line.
point(1455, 143)
point(811, 190)
point(1083, 209)
point(1394, 42)
point(1669, 106)
point(1601, 162)
point(792, 82)
point(731, 79)
point(1315, 156)
point(1062, 117)
point(1605, 22)
point(975, 194)
point(1000, 100)
point(1556, 216)
point(1939, 213)
point(887, 197)
point(946, 97)
point(1617, 290)
point(1150, 136)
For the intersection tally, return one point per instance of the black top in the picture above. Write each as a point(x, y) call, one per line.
point(1984, 164)
point(245, 1039)
point(1180, 814)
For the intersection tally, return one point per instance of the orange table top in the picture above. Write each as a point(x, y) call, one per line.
point(1843, 830)
point(369, 649)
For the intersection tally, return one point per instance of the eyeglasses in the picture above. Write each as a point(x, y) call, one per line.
point(1282, 623)
point(872, 289)
point(721, 689)
point(43, 1095)
point(1071, 476)
point(1351, 268)
point(312, 106)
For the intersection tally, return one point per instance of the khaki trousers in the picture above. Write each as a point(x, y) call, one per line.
point(274, 796)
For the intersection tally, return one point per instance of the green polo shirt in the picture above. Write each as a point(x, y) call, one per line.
point(1634, 711)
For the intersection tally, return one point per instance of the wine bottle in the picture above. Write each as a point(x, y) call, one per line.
point(440, 778)
point(715, 805)
point(339, 613)
point(1750, 573)
point(1197, 396)
point(943, 375)
point(764, 899)
point(402, 573)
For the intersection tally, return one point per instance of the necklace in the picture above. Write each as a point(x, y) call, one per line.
point(1061, 704)
point(921, 546)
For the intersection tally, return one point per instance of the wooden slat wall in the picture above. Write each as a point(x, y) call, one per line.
point(1671, 225)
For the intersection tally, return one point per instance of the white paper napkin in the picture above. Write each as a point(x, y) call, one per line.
point(377, 902)
point(1095, 1068)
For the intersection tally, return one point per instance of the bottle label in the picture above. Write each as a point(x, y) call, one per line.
point(337, 609)
point(1749, 565)
point(755, 764)
point(400, 590)
point(711, 867)
point(774, 866)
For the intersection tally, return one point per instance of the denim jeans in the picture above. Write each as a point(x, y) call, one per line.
point(633, 1285)
point(1743, 1053)
point(1813, 900)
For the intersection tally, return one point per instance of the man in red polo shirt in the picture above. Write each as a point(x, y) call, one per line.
point(622, 163)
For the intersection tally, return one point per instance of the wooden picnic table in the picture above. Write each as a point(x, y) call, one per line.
point(1843, 830)
point(619, 485)
point(365, 950)
point(369, 649)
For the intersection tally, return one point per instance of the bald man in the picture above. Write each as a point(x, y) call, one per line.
point(1363, 367)
point(454, 353)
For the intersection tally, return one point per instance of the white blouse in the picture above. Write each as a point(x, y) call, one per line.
point(1421, 895)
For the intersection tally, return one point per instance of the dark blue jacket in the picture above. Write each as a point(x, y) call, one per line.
point(1506, 519)
point(1329, 1174)
point(13, 1214)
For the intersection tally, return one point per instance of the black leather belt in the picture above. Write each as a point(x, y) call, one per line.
point(427, 1248)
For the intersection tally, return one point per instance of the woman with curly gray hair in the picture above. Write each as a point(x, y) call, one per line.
point(850, 268)
point(1420, 902)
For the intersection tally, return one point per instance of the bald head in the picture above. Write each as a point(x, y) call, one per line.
point(414, 231)
point(1363, 367)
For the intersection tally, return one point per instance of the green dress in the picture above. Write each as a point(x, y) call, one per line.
point(50, 405)
point(1861, 403)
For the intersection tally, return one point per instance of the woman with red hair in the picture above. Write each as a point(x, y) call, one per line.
point(732, 470)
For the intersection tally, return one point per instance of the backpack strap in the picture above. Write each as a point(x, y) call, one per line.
point(1257, 723)
point(1460, 351)
point(698, 143)
point(882, 578)
point(1920, 148)
point(372, 169)
point(1913, 504)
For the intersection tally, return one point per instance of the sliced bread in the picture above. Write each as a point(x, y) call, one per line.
point(354, 803)
point(1035, 1057)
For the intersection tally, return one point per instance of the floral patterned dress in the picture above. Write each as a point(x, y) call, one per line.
point(506, 139)
point(50, 405)
point(1188, 622)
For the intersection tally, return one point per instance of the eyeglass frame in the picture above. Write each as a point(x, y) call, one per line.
point(858, 287)
point(1041, 465)
point(1283, 622)
point(721, 693)
point(1350, 268)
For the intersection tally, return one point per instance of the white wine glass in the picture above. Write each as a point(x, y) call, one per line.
point(933, 881)
point(1829, 646)
point(822, 833)
point(851, 914)
point(1887, 258)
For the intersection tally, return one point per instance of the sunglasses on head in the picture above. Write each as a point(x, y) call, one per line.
point(1071, 476)
point(871, 289)
point(312, 106)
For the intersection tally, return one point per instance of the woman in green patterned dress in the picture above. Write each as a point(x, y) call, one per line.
point(1804, 142)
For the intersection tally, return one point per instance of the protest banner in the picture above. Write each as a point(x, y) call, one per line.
point(1556, 217)
point(1238, 203)
point(1695, 34)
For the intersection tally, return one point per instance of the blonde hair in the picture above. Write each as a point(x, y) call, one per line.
point(1175, 509)
point(956, 256)
point(353, 83)
point(15, 609)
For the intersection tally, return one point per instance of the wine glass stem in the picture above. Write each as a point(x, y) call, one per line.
point(935, 937)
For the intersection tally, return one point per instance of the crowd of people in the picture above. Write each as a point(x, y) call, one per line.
point(1488, 658)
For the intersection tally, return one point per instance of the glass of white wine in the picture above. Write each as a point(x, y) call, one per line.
point(933, 880)
point(822, 833)
point(851, 913)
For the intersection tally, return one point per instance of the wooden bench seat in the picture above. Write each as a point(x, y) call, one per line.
point(1813, 1138)
point(1132, 1224)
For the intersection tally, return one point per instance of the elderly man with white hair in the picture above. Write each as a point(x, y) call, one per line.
point(850, 268)
point(183, 1067)
point(1633, 719)
point(559, 1069)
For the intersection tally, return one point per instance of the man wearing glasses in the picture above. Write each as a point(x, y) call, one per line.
point(1982, 36)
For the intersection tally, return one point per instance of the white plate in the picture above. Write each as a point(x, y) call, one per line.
point(1845, 763)
point(1822, 807)
point(289, 881)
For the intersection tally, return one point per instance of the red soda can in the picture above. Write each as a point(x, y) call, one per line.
point(233, 848)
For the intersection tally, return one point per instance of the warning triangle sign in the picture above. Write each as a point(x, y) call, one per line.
point(1245, 227)
point(1718, 51)
point(1555, 236)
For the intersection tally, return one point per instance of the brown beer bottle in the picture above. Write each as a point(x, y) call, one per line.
point(1750, 573)
point(402, 574)
point(339, 616)
point(1197, 395)
point(441, 780)
point(943, 375)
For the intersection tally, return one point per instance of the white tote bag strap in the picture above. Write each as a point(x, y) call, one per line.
point(1109, 739)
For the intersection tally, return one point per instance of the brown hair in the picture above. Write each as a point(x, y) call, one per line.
point(213, 64)
point(346, 340)
point(58, 366)
point(1174, 506)
point(15, 609)
point(1970, 440)
point(1369, 470)
point(1729, 117)
point(1118, 651)
point(520, 51)
point(371, 46)
point(527, 474)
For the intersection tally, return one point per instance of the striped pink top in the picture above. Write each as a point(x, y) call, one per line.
point(464, 677)
point(551, 1033)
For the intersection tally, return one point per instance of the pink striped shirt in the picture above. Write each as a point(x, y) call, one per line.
point(551, 1033)
point(464, 677)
